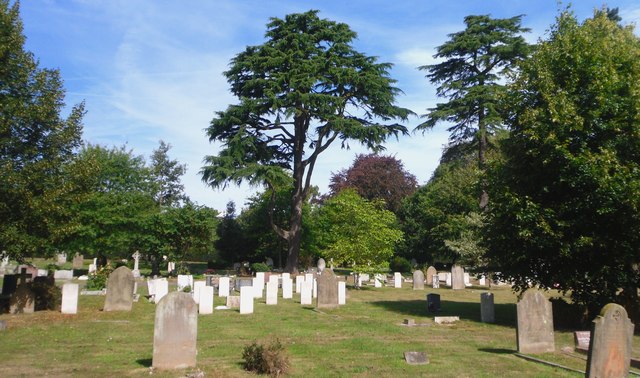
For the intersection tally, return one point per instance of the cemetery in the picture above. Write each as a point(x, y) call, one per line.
point(164, 327)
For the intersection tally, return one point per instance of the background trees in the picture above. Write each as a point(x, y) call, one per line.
point(376, 176)
point(300, 91)
point(564, 210)
point(479, 58)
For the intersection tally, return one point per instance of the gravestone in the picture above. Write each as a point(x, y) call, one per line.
point(246, 300)
point(171, 266)
point(69, 298)
point(431, 271)
point(119, 290)
point(185, 280)
point(378, 279)
point(233, 301)
point(197, 286)
point(321, 265)
point(32, 271)
point(342, 293)
point(611, 341)
point(161, 289)
point(435, 283)
point(23, 299)
point(78, 261)
point(299, 280)
point(223, 287)
point(327, 284)
point(582, 340)
point(136, 264)
point(259, 281)
point(416, 358)
point(487, 308)
point(258, 287)
point(287, 287)
point(175, 332)
point(482, 281)
point(447, 279)
point(286, 275)
point(418, 280)
point(205, 302)
point(446, 319)
point(535, 324)
point(61, 258)
point(397, 280)
point(9, 284)
point(305, 292)
point(457, 277)
point(63, 274)
point(433, 302)
point(272, 292)
point(467, 279)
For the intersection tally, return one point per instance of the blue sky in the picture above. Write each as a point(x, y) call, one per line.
point(152, 70)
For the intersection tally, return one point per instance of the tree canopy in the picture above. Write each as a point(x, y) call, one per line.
point(564, 210)
point(302, 89)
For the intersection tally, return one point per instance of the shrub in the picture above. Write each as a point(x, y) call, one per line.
point(98, 281)
point(260, 267)
point(48, 296)
point(270, 359)
point(400, 264)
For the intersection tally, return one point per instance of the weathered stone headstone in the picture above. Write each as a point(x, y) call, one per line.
point(431, 271)
point(342, 292)
point(446, 319)
point(306, 292)
point(119, 290)
point(185, 280)
point(327, 289)
point(457, 277)
point(611, 343)
point(418, 280)
point(69, 298)
point(246, 300)
point(223, 287)
point(23, 299)
point(487, 308)
point(433, 302)
point(321, 265)
point(435, 281)
point(205, 302)
point(233, 301)
point(136, 264)
point(535, 324)
point(175, 332)
point(287, 287)
point(32, 271)
point(582, 340)
point(78, 261)
point(61, 258)
point(416, 358)
point(272, 292)
point(397, 280)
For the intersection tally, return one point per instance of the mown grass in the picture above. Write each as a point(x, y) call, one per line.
point(365, 338)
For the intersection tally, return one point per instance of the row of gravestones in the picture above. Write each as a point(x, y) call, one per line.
point(457, 279)
point(487, 307)
point(610, 339)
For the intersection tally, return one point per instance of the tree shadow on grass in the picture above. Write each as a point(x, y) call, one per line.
point(146, 362)
point(505, 313)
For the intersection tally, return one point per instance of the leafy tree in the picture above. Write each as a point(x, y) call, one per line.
point(302, 89)
point(35, 144)
point(437, 212)
point(356, 233)
point(166, 174)
point(565, 200)
point(478, 60)
point(376, 176)
point(230, 243)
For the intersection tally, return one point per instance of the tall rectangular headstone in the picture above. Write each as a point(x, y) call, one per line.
point(397, 280)
point(306, 292)
point(69, 298)
point(119, 290)
point(23, 300)
point(61, 258)
point(448, 280)
point(342, 292)
point(327, 285)
point(272, 292)
point(260, 278)
point(418, 280)
point(435, 281)
point(482, 281)
point(611, 343)
point(9, 284)
point(433, 302)
point(197, 286)
point(205, 302)
point(286, 275)
point(487, 308)
point(467, 279)
point(175, 332)
point(287, 287)
point(457, 277)
point(299, 280)
point(431, 271)
point(161, 289)
point(535, 323)
point(78, 261)
point(185, 280)
point(223, 287)
point(246, 299)
point(258, 287)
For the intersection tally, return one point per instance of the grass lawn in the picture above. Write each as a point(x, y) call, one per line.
point(364, 338)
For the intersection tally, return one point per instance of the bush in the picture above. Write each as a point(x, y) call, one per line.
point(271, 359)
point(48, 296)
point(400, 264)
point(260, 267)
point(98, 281)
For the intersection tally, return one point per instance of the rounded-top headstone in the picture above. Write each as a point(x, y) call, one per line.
point(321, 265)
point(119, 290)
point(175, 332)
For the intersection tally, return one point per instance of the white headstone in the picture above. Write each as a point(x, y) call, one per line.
point(61, 258)
point(315, 288)
point(223, 287)
point(63, 274)
point(151, 287)
point(305, 293)
point(258, 287)
point(436, 281)
point(197, 286)
point(171, 266)
point(42, 272)
point(397, 280)
point(342, 292)
point(69, 298)
point(286, 275)
point(92, 268)
point(185, 280)
point(260, 278)
point(377, 282)
point(467, 279)
point(482, 281)
point(161, 288)
point(274, 278)
point(136, 264)
point(205, 300)
point(287, 288)
point(448, 279)
point(246, 300)
point(299, 280)
point(272, 292)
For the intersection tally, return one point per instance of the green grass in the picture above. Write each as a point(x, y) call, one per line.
point(365, 338)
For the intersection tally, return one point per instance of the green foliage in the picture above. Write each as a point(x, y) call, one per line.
point(298, 93)
point(400, 264)
point(166, 173)
point(260, 267)
point(271, 359)
point(48, 296)
point(468, 244)
point(36, 142)
point(98, 281)
point(566, 198)
point(356, 233)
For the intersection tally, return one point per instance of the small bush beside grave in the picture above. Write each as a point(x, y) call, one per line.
point(269, 359)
